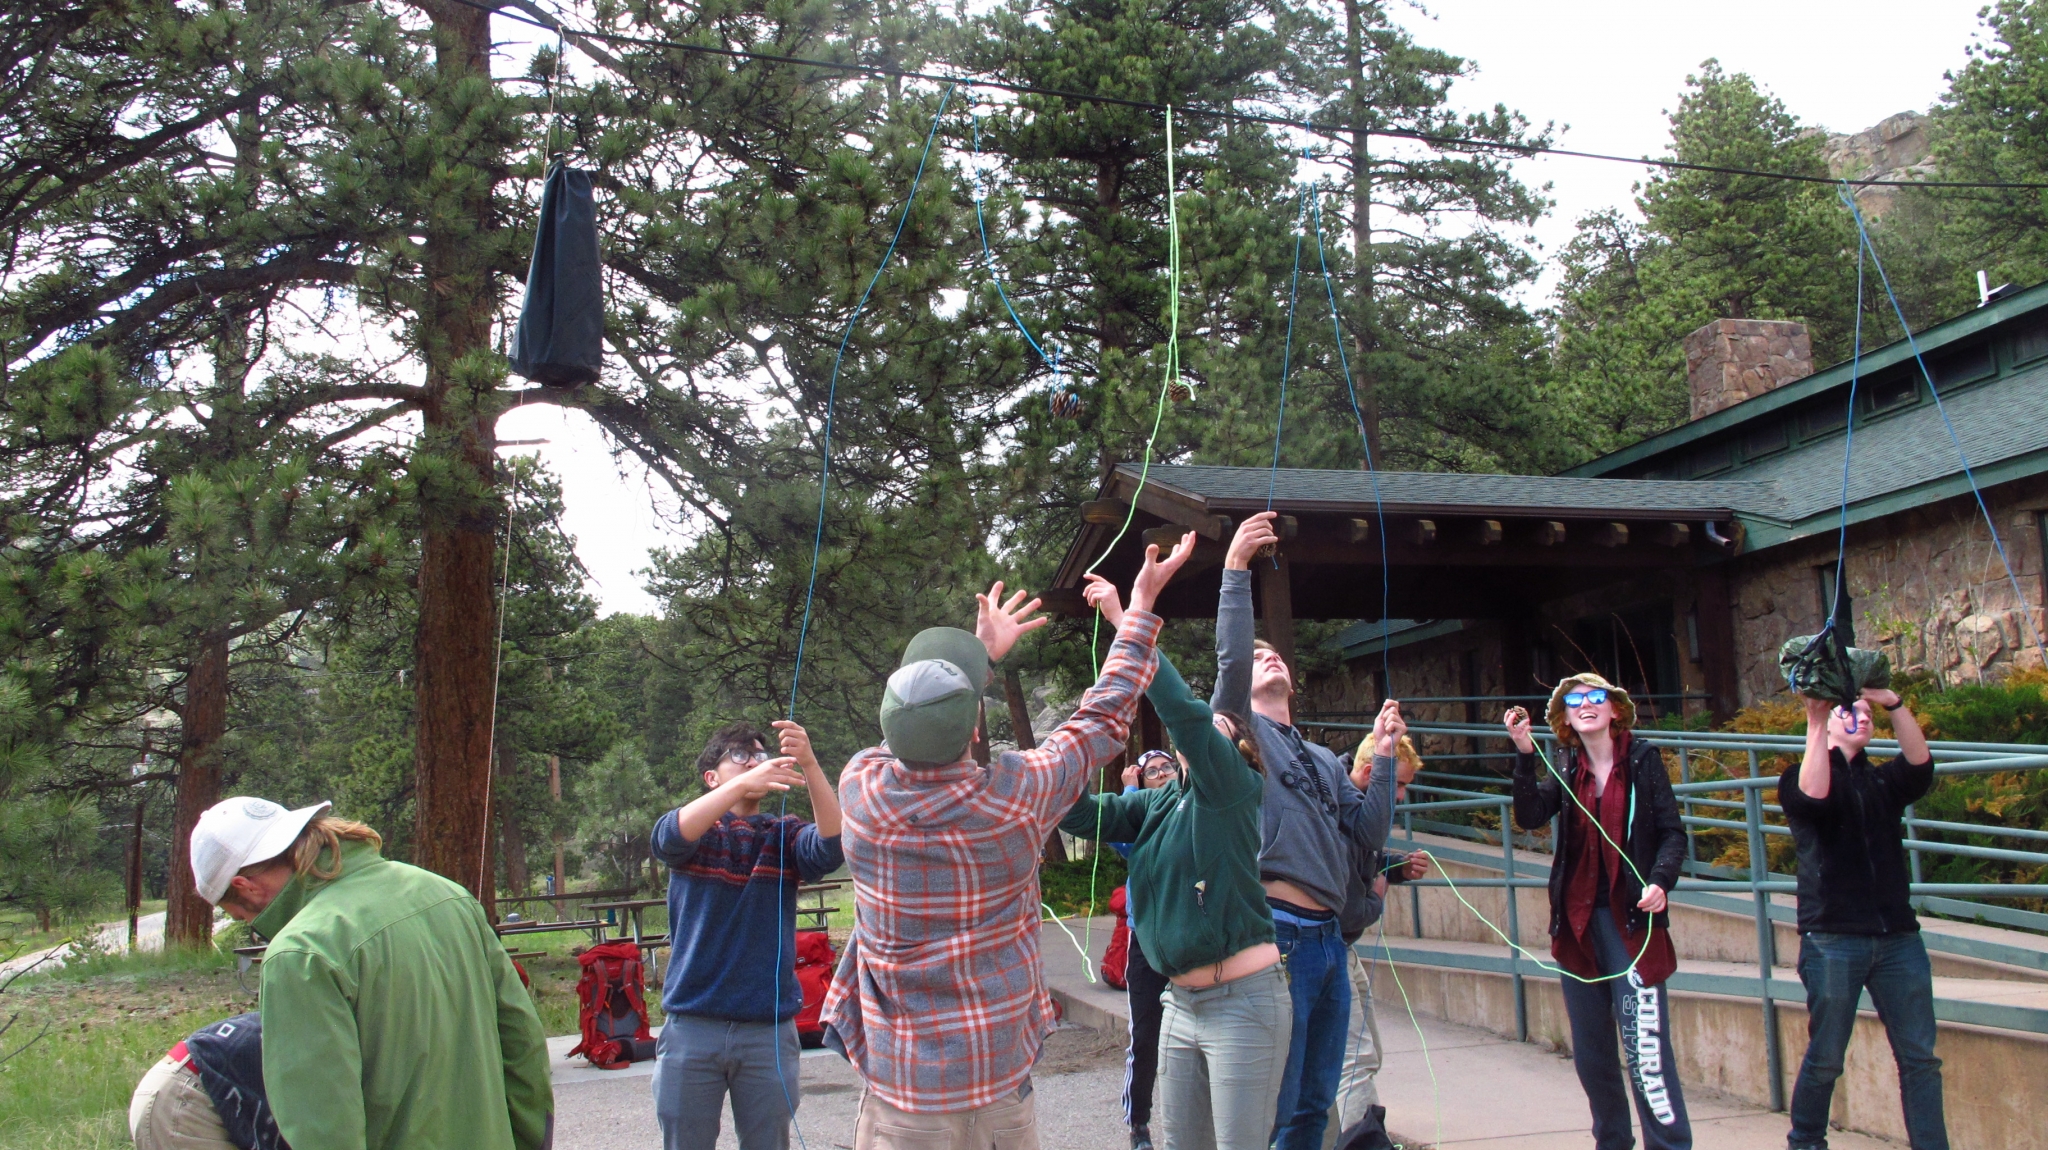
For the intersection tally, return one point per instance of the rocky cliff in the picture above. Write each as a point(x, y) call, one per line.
point(1895, 149)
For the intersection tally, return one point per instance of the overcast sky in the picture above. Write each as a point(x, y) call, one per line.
point(1606, 71)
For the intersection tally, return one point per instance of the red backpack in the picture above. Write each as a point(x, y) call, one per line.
point(613, 1014)
point(1117, 959)
point(814, 963)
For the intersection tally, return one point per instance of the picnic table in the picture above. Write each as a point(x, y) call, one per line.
point(632, 908)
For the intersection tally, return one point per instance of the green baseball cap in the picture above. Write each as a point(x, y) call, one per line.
point(933, 699)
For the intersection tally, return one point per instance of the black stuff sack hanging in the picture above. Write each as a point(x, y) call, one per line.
point(1823, 667)
point(560, 337)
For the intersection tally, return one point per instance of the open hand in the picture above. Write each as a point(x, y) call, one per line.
point(796, 744)
point(1254, 533)
point(768, 777)
point(1517, 722)
point(1653, 899)
point(999, 624)
point(1157, 573)
point(1100, 594)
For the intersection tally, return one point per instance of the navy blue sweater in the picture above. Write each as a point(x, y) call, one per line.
point(725, 916)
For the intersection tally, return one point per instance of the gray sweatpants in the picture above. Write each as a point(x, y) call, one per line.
point(702, 1060)
point(1222, 1054)
point(1358, 1088)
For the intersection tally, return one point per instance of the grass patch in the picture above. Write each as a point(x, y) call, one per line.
point(108, 1020)
point(1066, 887)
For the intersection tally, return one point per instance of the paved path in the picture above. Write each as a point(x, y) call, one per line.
point(149, 935)
point(1475, 1089)
point(1078, 1084)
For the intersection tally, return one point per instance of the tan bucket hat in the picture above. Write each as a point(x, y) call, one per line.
point(1624, 707)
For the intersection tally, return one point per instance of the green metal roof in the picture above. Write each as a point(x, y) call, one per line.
point(1421, 492)
point(1370, 637)
point(1779, 400)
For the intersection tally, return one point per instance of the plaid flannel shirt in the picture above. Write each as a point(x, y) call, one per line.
point(940, 999)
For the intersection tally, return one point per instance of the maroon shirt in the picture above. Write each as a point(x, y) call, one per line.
point(1594, 856)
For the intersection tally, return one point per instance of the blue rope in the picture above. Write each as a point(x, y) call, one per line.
point(2019, 597)
point(1365, 443)
point(832, 398)
point(988, 260)
point(817, 548)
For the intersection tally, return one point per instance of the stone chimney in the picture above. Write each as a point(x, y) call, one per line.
point(1730, 360)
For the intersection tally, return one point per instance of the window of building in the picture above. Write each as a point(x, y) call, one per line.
point(1825, 579)
point(1967, 365)
point(2030, 343)
point(1891, 393)
point(1822, 418)
point(1766, 440)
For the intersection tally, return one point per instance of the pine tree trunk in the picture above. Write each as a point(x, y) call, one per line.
point(453, 646)
point(188, 919)
point(1363, 340)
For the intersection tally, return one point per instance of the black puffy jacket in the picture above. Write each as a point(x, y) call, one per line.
point(1655, 838)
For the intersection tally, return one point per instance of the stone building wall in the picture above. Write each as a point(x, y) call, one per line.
point(1926, 585)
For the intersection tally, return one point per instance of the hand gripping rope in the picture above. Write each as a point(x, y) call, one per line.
point(817, 546)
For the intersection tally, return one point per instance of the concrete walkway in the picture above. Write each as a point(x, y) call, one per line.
point(1473, 1089)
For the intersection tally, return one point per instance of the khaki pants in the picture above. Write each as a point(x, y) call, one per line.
point(171, 1111)
point(1008, 1124)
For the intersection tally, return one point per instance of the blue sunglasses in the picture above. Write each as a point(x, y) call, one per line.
point(1594, 695)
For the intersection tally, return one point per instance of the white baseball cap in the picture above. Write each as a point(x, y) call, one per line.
point(235, 833)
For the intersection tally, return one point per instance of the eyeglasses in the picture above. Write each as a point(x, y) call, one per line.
point(742, 757)
point(1155, 762)
point(1594, 695)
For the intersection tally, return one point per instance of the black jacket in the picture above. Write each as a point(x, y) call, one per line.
point(1655, 837)
point(229, 1058)
point(1852, 870)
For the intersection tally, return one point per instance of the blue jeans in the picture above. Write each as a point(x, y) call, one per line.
point(700, 1062)
point(1836, 969)
point(1320, 987)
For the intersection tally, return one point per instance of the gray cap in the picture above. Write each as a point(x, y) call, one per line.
point(933, 700)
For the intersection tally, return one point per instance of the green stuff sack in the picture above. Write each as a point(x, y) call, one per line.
point(1820, 667)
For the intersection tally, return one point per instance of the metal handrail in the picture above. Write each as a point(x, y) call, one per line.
point(1758, 885)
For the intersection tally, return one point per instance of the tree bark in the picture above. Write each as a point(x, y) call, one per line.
point(453, 645)
point(1363, 331)
point(188, 919)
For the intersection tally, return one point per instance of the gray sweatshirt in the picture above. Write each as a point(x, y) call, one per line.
point(1317, 825)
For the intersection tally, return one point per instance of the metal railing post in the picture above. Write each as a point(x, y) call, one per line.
point(1507, 854)
point(1414, 892)
point(1766, 948)
point(1685, 808)
point(1912, 835)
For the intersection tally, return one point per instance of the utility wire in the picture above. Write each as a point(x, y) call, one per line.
point(1326, 131)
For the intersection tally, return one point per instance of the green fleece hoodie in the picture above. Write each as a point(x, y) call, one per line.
point(393, 1018)
point(1194, 844)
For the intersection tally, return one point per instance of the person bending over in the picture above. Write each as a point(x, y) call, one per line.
point(1315, 826)
point(731, 994)
point(1357, 1120)
point(939, 1000)
point(207, 1093)
point(1857, 930)
point(396, 1018)
point(1143, 984)
point(1195, 869)
point(1609, 927)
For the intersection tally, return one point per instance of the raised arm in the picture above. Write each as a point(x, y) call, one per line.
point(1234, 631)
point(1109, 818)
point(796, 744)
point(1370, 817)
point(1216, 771)
point(1537, 795)
point(1816, 767)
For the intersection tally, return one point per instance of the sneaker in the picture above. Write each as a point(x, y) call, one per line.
point(1141, 1138)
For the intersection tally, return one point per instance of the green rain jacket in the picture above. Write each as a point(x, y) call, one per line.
point(393, 1018)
